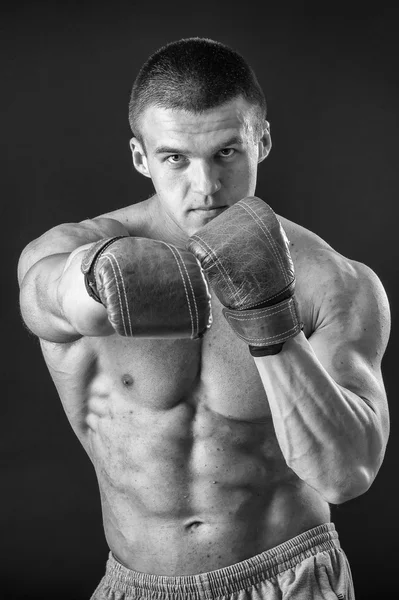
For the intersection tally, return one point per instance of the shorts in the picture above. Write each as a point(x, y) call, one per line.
point(310, 566)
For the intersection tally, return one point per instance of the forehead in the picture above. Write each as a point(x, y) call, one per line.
point(165, 125)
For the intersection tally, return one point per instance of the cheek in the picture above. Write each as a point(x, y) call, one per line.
point(252, 170)
point(241, 175)
point(170, 190)
point(165, 179)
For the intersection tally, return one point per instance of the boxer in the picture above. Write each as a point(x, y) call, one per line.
point(220, 364)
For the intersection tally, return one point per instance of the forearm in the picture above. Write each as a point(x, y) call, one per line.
point(85, 315)
point(328, 435)
point(55, 304)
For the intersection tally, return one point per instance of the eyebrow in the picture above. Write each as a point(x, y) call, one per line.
point(170, 150)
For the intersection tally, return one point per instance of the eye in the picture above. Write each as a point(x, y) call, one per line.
point(227, 152)
point(175, 159)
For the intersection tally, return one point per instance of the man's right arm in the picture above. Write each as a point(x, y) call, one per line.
point(54, 302)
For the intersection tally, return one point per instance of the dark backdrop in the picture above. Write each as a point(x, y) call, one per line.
point(332, 90)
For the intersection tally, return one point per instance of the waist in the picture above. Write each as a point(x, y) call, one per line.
point(217, 536)
point(227, 580)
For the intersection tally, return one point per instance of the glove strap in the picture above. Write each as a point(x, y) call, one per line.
point(266, 329)
point(89, 262)
point(266, 350)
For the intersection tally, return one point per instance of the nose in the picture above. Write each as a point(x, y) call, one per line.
point(205, 179)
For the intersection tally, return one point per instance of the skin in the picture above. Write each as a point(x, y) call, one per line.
point(204, 455)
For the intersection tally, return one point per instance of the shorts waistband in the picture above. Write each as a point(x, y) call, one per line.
point(225, 581)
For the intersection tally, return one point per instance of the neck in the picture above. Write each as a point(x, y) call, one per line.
point(163, 227)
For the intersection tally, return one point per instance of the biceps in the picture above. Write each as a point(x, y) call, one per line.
point(66, 238)
point(38, 301)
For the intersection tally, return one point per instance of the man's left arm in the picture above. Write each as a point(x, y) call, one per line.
point(326, 393)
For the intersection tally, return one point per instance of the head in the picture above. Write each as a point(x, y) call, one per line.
point(198, 117)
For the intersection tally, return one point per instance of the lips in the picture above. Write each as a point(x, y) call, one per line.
point(208, 208)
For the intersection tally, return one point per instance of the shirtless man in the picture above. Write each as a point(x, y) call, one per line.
point(217, 450)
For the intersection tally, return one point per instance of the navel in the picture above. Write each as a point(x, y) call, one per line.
point(192, 525)
point(127, 380)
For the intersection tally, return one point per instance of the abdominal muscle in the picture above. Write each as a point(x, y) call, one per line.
point(180, 434)
point(194, 491)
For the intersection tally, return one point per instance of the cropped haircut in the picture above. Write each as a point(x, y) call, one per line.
point(194, 74)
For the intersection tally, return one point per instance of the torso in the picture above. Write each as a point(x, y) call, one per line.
point(182, 440)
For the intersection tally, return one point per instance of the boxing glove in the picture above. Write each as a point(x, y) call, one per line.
point(150, 288)
point(245, 255)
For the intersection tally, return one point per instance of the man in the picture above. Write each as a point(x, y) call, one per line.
point(220, 365)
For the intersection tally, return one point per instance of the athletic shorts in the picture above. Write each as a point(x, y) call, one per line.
point(310, 566)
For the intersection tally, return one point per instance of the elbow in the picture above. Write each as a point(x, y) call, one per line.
point(351, 486)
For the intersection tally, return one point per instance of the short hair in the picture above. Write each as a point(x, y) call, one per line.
point(194, 74)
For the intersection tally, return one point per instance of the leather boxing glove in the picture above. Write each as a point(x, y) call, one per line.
point(245, 255)
point(150, 288)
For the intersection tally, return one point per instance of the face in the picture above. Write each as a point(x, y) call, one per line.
point(200, 164)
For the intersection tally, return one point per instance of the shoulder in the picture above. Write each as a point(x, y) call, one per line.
point(135, 218)
point(349, 295)
point(65, 238)
point(303, 242)
point(334, 289)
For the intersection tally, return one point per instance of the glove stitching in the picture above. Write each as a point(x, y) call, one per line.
point(293, 315)
point(275, 249)
point(270, 297)
point(172, 249)
point(280, 305)
point(208, 292)
point(112, 256)
point(192, 293)
point(271, 314)
point(122, 284)
point(219, 265)
point(282, 337)
point(296, 311)
point(229, 281)
point(270, 337)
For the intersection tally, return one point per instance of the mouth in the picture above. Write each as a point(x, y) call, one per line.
point(209, 210)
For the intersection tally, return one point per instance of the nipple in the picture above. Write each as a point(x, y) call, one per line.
point(127, 380)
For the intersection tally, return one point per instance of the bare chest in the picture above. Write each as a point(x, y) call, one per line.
point(127, 374)
point(229, 382)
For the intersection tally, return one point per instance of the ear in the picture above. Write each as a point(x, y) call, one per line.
point(139, 157)
point(265, 143)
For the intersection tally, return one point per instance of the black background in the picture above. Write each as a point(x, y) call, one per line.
point(331, 83)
